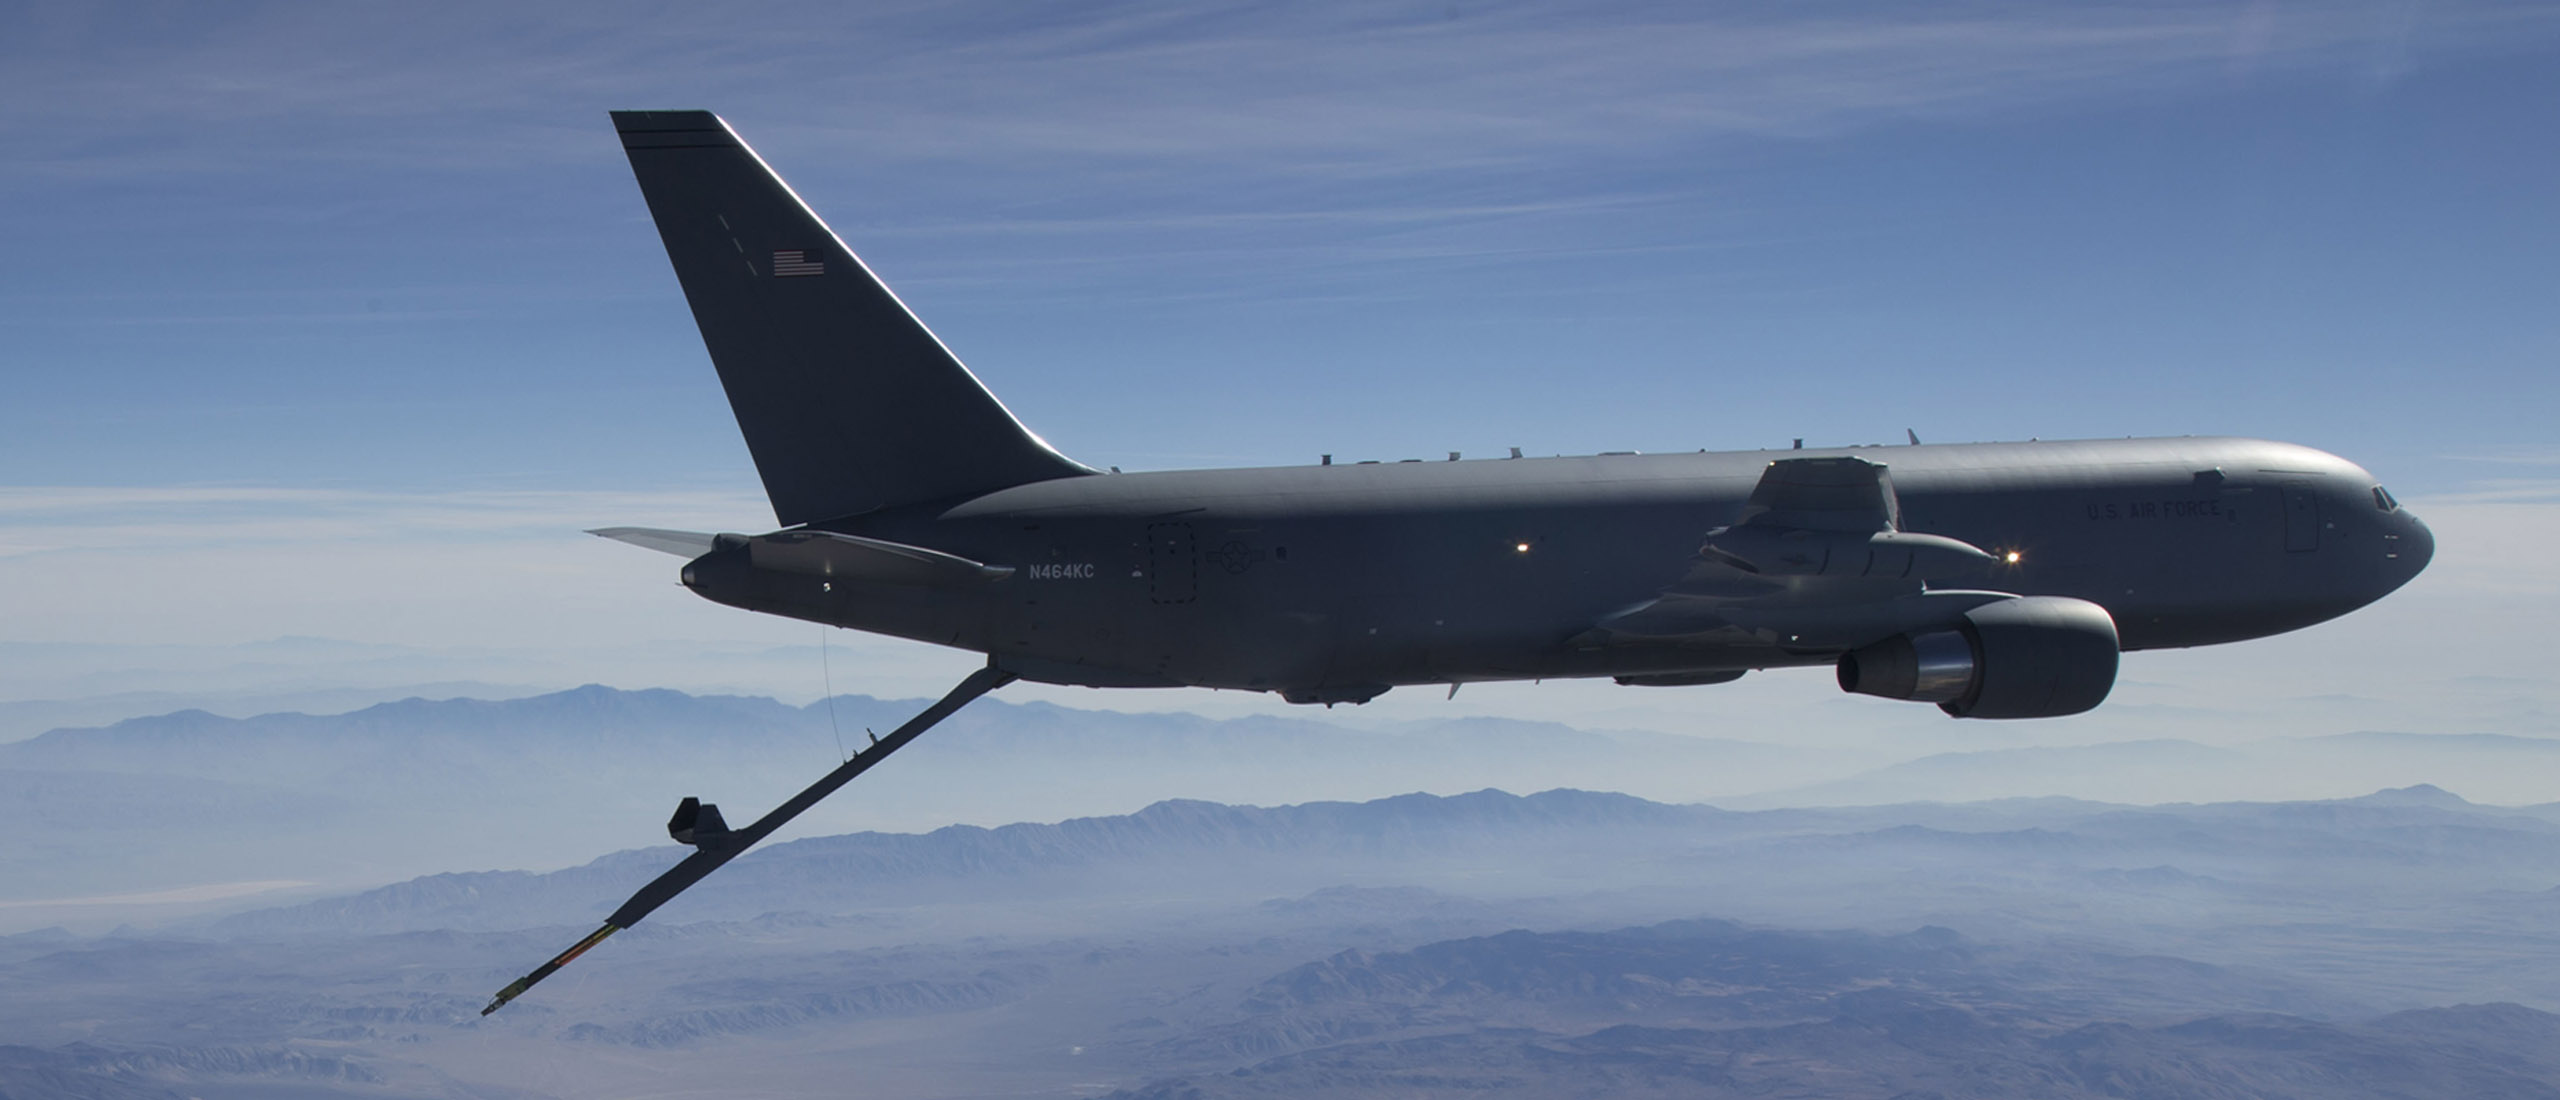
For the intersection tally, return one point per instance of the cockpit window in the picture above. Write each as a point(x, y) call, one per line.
point(2382, 499)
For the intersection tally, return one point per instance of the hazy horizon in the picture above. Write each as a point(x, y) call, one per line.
point(542, 782)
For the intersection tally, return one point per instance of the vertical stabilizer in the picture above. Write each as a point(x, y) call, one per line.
point(848, 403)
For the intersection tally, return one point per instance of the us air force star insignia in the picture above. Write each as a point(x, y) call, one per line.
point(1234, 557)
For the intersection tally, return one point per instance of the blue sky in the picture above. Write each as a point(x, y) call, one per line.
point(291, 281)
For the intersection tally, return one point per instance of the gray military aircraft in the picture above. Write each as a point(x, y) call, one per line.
point(1996, 580)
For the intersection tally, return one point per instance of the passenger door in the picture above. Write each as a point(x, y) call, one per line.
point(2301, 518)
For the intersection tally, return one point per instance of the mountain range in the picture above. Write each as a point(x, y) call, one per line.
point(1488, 944)
point(395, 790)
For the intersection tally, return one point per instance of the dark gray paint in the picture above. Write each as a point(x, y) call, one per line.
point(1333, 582)
point(824, 367)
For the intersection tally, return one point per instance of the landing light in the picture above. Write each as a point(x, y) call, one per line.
point(2011, 557)
point(1520, 547)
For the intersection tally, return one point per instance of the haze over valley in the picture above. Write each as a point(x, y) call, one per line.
point(315, 906)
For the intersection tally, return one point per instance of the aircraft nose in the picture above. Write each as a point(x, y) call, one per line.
point(2410, 548)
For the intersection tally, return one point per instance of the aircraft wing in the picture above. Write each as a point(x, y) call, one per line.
point(1816, 560)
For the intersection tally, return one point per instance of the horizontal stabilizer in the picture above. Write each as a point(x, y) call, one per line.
point(827, 554)
point(683, 544)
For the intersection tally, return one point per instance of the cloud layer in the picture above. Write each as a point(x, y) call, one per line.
point(123, 590)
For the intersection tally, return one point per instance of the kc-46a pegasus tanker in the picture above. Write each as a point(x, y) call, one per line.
point(1995, 580)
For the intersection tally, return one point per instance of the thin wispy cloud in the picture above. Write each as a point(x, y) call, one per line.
point(2503, 490)
point(2512, 456)
point(1296, 89)
point(176, 520)
point(504, 587)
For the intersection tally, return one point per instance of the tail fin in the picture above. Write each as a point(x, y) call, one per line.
point(848, 403)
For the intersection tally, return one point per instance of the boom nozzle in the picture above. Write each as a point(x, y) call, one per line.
point(545, 970)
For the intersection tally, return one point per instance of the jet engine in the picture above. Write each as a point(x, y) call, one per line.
point(2025, 657)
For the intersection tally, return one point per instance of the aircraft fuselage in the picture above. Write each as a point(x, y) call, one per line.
point(1333, 581)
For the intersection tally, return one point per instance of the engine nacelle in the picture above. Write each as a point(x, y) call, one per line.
point(2029, 657)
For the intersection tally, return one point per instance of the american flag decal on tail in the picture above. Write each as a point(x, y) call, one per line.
point(795, 262)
